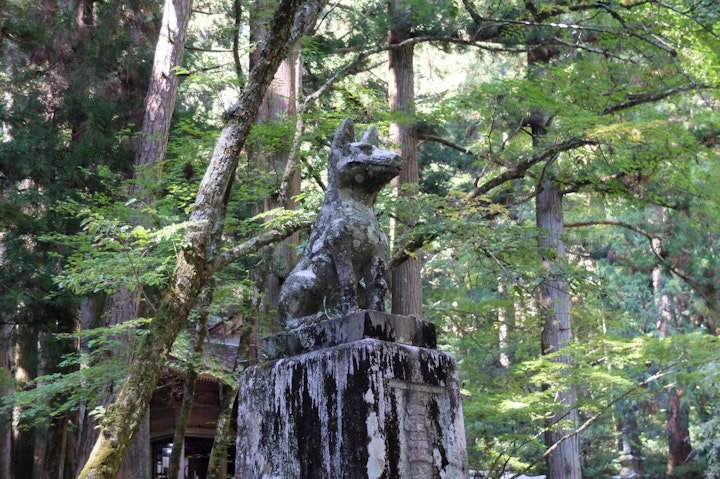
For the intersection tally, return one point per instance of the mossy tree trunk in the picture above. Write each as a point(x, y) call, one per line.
point(224, 436)
point(124, 416)
point(191, 376)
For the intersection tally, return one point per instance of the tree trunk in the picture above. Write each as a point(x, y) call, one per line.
point(678, 418)
point(503, 328)
point(224, 436)
point(86, 431)
point(137, 463)
point(281, 100)
point(123, 417)
point(406, 285)
point(279, 103)
point(678, 434)
point(191, 375)
point(228, 395)
point(41, 431)
point(564, 461)
point(162, 92)
point(6, 381)
point(188, 400)
point(159, 106)
point(25, 369)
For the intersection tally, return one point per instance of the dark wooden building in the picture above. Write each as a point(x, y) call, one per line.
point(165, 408)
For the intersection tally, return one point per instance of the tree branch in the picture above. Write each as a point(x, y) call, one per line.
point(361, 57)
point(446, 142)
point(403, 253)
point(256, 243)
point(522, 167)
point(649, 97)
point(656, 250)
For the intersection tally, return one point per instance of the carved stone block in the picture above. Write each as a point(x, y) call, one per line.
point(365, 409)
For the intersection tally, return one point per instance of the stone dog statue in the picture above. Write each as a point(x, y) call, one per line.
point(342, 267)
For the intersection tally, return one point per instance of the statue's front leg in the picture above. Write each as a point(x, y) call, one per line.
point(375, 285)
point(342, 257)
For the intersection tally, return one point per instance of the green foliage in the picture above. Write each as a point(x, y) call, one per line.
point(83, 378)
point(646, 177)
point(121, 257)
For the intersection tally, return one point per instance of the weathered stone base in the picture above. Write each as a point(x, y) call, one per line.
point(349, 328)
point(367, 409)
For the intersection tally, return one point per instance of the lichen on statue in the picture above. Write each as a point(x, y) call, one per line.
point(342, 268)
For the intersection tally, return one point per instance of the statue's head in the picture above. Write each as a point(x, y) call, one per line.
point(361, 164)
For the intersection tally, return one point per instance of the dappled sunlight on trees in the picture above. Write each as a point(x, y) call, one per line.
point(611, 107)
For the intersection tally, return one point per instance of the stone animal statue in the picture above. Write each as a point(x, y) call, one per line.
point(343, 264)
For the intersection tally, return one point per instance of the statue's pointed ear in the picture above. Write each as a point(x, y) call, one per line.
point(344, 136)
point(371, 136)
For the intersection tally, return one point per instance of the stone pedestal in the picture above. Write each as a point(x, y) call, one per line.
point(361, 408)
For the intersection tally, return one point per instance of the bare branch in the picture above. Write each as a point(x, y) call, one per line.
point(446, 142)
point(524, 165)
point(255, 244)
point(649, 97)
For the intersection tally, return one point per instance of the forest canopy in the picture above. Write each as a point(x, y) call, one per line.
point(161, 162)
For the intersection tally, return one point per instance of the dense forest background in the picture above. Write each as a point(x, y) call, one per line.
point(558, 220)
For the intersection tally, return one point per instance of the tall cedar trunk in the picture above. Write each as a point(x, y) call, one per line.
point(678, 435)
point(678, 419)
point(41, 431)
point(406, 281)
point(162, 90)
point(563, 462)
point(279, 104)
point(25, 359)
point(137, 463)
point(5, 390)
point(159, 106)
point(280, 101)
point(123, 417)
point(86, 431)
